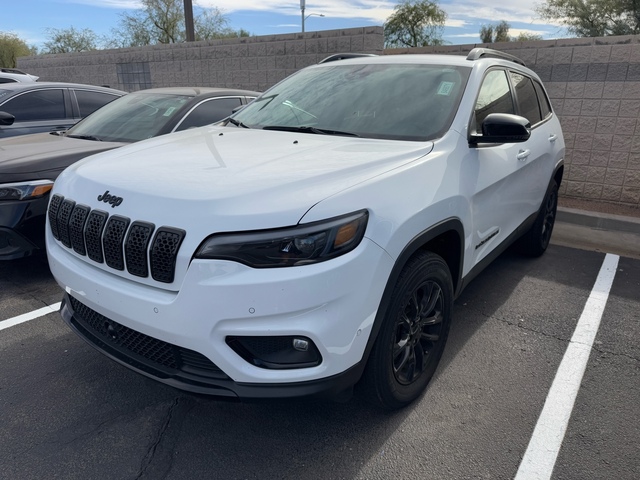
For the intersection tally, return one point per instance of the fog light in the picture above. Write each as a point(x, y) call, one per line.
point(276, 352)
point(300, 344)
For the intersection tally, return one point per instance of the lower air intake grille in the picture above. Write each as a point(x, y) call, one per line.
point(115, 240)
point(139, 349)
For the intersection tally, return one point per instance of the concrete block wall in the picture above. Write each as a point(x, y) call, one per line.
point(594, 85)
point(253, 63)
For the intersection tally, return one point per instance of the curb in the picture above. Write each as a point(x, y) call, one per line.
point(599, 221)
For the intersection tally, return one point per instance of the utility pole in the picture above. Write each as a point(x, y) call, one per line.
point(188, 20)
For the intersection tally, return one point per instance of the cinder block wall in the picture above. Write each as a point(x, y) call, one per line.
point(594, 85)
point(254, 63)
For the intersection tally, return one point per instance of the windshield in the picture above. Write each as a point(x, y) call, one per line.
point(403, 102)
point(134, 117)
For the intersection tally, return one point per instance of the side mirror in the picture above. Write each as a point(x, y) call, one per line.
point(6, 118)
point(502, 128)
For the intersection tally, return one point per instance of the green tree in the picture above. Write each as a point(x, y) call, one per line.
point(162, 21)
point(67, 40)
point(594, 18)
point(495, 33)
point(12, 47)
point(415, 23)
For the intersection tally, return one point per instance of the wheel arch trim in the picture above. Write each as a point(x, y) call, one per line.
point(417, 243)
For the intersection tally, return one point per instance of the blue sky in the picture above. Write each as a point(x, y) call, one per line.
point(30, 19)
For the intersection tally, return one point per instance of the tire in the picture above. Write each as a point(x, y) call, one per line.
point(413, 334)
point(535, 242)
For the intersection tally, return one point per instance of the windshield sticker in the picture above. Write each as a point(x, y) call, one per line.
point(445, 88)
point(169, 111)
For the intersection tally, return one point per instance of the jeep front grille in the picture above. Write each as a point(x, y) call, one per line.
point(115, 240)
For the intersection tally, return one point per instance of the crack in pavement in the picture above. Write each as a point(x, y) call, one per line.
point(158, 461)
point(562, 339)
point(148, 458)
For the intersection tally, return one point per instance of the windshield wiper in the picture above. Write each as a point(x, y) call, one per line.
point(85, 137)
point(237, 123)
point(309, 129)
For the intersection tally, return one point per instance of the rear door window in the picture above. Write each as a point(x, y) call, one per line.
point(545, 105)
point(526, 97)
point(89, 102)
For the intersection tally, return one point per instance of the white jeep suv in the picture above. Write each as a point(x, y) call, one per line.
point(319, 236)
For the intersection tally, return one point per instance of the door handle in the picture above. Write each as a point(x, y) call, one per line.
point(523, 154)
point(553, 137)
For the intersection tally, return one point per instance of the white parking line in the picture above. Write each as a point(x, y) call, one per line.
point(540, 458)
point(25, 317)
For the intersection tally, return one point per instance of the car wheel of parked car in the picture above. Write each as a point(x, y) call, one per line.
point(413, 335)
point(536, 240)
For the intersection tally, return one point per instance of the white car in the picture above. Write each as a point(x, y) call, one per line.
point(13, 75)
point(319, 236)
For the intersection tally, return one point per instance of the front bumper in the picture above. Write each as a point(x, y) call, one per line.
point(22, 226)
point(332, 303)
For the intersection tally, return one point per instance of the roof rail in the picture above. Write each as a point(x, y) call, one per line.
point(344, 56)
point(478, 53)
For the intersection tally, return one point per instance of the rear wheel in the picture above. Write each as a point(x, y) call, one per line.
point(535, 242)
point(413, 335)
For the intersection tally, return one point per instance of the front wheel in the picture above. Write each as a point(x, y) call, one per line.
point(412, 338)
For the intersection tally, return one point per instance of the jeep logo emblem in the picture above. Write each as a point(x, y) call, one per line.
point(110, 199)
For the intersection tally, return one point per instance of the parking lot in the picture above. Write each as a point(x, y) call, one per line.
point(66, 411)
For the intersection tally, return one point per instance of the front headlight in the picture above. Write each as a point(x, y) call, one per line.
point(288, 247)
point(25, 190)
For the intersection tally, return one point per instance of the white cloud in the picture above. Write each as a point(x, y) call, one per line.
point(375, 11)
point(117, 4)
point(464, 35)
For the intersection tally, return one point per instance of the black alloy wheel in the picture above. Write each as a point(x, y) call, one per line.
point(549, 216)
point(413, 334)
point(535, 242)
point(418, 331)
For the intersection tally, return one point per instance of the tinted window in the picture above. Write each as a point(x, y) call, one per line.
point(494, 97)
point(89, 102)
point(545, 106)
point(7, 80)
point(38, 105)
point(209, 112)
point(526, 98)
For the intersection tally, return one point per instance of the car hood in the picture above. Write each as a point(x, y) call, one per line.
point(43, 155)
point(228, 179)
